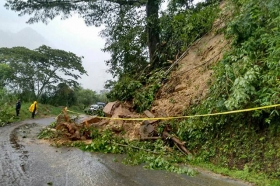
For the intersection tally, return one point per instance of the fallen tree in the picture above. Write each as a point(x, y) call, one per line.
point(73, 129)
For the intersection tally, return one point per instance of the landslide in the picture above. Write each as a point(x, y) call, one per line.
point(232, 144)
point(189, 83)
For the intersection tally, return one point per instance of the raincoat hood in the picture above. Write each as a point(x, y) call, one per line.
point(32, 107)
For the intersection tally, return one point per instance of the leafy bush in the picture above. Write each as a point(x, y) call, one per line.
point(152, 155)
point(6, 111)
point(143, 99)
point(141, 91)
point(181, 28)
point(124, 89)
point(247, 77)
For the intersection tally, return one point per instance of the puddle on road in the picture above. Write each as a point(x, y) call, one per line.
point(14, 141)
point(16, 137)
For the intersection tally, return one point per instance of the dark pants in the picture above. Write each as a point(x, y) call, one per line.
point(17, 111)
point(33, 114)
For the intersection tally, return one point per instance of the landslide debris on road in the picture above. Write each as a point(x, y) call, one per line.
point(188, 84)
point(132, 130)
point(69, 129)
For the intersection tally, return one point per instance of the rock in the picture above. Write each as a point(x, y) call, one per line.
point(104, 122)
point(147, 122)
point(149, 114)
point(121, 111)
point(146, 130)
point(91, 120)
point(110, 107)
point(179, 88)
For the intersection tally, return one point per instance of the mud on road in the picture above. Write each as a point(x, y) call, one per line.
point(28, 161)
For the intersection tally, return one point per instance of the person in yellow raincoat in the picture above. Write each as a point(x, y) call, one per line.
point(33, 109)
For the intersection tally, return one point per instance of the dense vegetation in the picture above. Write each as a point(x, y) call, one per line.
point(247, 76)
point(179, 28)
point(47, 75)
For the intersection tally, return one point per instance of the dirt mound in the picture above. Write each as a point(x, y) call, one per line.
point(73, 129)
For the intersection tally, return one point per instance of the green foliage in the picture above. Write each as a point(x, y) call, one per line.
point(250, 69)
point(100, 113)
point(7, 113)
point(152, 155)
point(7, 110)
point(39, 71)
point(141, 91)
point(85, 97)
point(126, 41)
point(181, 28)
point(5, 74)
point(124, 89)
point(53, 125)
point(62, 95)
point(143, 99)
point(247, 77)
point(126, 24)
point(46, 133)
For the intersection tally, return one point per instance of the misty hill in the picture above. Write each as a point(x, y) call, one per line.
point(26, 37)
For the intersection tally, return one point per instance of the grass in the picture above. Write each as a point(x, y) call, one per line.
point(43, 111)
point(253, 177)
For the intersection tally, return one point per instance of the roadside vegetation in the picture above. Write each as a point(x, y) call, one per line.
point(244, 145)
point(246, 77)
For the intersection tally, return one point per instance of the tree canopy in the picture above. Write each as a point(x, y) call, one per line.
point(94, 12)
point(133, 29)
point(40, 70)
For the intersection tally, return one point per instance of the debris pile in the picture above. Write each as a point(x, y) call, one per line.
point(117, 120)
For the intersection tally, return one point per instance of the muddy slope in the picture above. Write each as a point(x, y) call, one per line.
point(189, 81)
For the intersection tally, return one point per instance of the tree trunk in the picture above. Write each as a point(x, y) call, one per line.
point(152, 9)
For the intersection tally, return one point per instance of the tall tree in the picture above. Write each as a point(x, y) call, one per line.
point(126, 41)
point(94, 12)
point(40, 70)
point(86, 97)
point(186, 4)
point(63, 95)
point(5, 74)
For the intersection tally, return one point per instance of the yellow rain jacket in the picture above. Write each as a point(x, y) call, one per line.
point(32, 107)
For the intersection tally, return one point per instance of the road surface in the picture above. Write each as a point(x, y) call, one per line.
point(27, 161)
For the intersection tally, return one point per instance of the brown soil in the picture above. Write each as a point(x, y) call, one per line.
point(189, 82)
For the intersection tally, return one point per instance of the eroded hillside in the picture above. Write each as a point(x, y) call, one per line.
point(189, 82)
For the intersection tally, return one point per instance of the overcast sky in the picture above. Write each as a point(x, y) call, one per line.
point(70, 35)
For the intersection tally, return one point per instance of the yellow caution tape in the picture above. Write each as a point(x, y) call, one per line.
point(73, 112)
point(180, 117)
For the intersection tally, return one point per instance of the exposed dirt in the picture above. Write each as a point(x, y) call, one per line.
point(189, 83)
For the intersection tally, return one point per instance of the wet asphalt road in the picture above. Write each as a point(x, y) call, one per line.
point(27, 161)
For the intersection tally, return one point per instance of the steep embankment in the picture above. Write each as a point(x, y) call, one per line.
point(189, 82)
